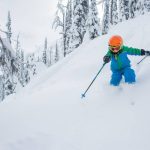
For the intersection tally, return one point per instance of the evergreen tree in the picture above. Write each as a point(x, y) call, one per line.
point(106, 18)
point(140, 7)
point(133, 8)
point(9, 87)
point(44, 52)
point(113, 12)
point(50, 56)
point(19, 66)
point(60, 22)
point(31, 65)
point(8, 25)
point(2, 94)
point(7, 59)
point(93, 26)
point(17, 48)
point(147, 5)
point(78, 25)
point(26, 73)
point(68, 24)
point(56, 53)
point(22, 69)
point(85, 5)
point(124, 10)
point(20, 62)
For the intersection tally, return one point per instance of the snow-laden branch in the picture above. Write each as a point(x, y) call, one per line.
point(61, 7)
point(57, 22)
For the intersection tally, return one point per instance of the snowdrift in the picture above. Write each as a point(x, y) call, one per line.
point(49, 113)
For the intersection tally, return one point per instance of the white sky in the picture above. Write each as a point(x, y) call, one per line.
point(32, 19)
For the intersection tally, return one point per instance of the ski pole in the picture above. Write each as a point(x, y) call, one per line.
point(141, 60)
point(83, 95)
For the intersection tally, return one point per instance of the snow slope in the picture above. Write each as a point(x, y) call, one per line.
point(49, 113)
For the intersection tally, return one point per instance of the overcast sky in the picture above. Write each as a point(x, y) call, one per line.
point(32, 18)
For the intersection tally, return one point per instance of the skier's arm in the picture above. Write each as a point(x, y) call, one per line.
point(136, 51)
point(132, 51)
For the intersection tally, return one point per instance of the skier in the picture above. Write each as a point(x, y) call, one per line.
point(120, 64)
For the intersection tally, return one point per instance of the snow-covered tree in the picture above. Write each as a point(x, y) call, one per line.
point(133, 8)
point(50, 56)
point(59, 21)
point(124, 13)
point(93, 24)
point(147, 5)
point(140, 7)
point(44, 52)
point(78, 25)
point(113, 12)
point(27, 77)
point(56, 53)
point(8, 25)
point(68, 24)
point(106, 17)
point(85, 5)
point(9, 86)
point(31, 65)
point(22, 69)
point(7, 62)
point(2, 92)
point(20, 62)
point(17, 48)
point(26, 73)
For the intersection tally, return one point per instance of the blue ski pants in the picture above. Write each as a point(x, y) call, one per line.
point(128, 73)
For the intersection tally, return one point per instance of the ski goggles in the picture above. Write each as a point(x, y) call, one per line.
point(114, 48)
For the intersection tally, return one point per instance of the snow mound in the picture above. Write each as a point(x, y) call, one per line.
point(50, 114)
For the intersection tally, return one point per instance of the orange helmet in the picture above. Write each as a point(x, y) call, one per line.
point(115, 40)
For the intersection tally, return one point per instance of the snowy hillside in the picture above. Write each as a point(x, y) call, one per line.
point(49, 114)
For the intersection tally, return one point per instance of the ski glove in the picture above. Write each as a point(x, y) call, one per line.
point(106, 59)
point(143, 52)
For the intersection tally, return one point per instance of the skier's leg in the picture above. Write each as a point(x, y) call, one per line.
point(115, 78)
point(129, 75)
